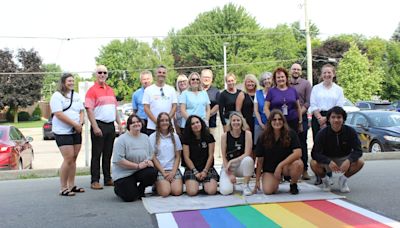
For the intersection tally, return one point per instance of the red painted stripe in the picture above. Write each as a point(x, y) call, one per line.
point(345, 215)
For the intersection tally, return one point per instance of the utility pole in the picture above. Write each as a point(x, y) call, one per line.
point(225, 66)
point(308, 44)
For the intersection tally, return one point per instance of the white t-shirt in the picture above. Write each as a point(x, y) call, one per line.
point(57, 103)
point(160, 100)
point(165, 151)
point(323, 98)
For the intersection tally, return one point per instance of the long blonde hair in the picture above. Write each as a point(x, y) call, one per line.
point(158, 130)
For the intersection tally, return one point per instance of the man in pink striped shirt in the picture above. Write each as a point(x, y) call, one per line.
point(101, 105)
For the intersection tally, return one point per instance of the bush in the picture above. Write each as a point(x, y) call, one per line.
point(37, 113)
point(23, 116)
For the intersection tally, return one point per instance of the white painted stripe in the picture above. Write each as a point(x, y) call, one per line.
point(367, 213)
point(166, 220)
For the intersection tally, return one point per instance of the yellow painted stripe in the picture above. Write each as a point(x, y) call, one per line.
point(282, 216)
point(313, 215)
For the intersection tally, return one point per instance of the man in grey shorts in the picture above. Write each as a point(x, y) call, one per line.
point(336, 149)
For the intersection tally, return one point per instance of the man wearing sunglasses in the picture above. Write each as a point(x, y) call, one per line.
point(101, 105)
point(158, 98)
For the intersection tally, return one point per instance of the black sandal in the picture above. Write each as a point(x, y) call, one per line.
point(78, 190)
point(67, 192)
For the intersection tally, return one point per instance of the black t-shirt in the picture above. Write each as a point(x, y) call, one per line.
point(235, 146)
point(198, 151)
point(227, 104)
point(248, 111)
point(273, 156)
point(213, 95)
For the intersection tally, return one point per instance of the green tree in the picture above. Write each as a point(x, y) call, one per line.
point(51, 78)
point(391, 83)
point(125, 59)
point(358, 80)
point(396, 34)
point(250, 49)
point(24, 88)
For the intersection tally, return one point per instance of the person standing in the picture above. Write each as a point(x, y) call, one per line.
point(303, 88)
point(158, 98)
point(181, 85)
point(245, 101)
point(101, 105)
point(146, 79)
point(206, 78)
point(227, 100)
point(265, 81)
point(67, 108)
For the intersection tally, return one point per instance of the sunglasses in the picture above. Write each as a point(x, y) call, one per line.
point(195, 79)
point(161, 72)
point(277, 119)
point(162, 92)
point(102, 72)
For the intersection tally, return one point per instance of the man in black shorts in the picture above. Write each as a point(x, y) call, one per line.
point(336, 149)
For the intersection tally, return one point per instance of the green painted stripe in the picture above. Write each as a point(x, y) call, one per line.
point(250, 217)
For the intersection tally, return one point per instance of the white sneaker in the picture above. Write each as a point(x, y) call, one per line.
point(247, 190)
point(326, 185)
point(343, 184)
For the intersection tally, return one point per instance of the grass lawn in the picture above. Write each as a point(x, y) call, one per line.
point(26, 124)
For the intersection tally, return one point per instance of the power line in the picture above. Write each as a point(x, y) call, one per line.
point(172, 68)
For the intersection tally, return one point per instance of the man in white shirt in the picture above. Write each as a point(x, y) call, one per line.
point(158, 98)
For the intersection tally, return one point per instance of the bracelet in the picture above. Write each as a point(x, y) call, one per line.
point(195, 171)
point(205, 170)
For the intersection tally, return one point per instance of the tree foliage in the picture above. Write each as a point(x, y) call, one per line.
point(250, 48)
point(358, 79)
point(20, 90)
point(391, 83)
point(126, 59)
point(396, 34)
point(51, 78)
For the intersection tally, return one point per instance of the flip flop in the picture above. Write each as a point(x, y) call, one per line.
point(67, 192)
point(78, 190)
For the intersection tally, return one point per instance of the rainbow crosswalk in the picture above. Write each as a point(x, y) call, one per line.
point(318, 213)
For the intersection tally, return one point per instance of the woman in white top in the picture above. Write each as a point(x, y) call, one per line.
point(194, 100)
point(67, 109)
point(324, 96)
point(167, 148)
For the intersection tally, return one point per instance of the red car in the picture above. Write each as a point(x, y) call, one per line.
point(15, 149)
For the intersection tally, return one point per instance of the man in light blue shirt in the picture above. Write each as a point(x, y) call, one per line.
point(146, 79)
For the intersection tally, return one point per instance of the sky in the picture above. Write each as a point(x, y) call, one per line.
point(64, 32)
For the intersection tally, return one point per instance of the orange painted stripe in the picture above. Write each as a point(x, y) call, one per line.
point(314, 216)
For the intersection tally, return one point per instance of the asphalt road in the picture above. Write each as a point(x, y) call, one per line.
point(36, 203)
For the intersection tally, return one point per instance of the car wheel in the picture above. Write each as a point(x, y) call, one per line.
point(375, 147)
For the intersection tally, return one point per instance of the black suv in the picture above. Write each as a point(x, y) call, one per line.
point(375, 105)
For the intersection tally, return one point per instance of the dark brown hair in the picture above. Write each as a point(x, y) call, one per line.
point(268, 136)
point(280, 69)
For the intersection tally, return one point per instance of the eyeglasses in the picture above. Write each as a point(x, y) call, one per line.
point(102, 72)
point(277, 119)
point(161, 72)
point(182, 81)
point(162, 92)
point(195, 79)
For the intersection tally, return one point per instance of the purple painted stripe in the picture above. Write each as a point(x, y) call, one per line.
point(190, 219)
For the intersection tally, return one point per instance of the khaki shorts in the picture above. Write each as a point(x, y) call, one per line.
point(338, 161)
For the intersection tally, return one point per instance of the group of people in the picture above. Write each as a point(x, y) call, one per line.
point(263, 128)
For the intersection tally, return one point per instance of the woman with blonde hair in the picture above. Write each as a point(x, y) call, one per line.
point(167, 149)
point(236, 150)
point(227, 99)
point(181, 85)
point(245, 100)
point(194, 100)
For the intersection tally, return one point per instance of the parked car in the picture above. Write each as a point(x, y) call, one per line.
point(48, 129)
point(348, 106)
point(396, 105)
point(375, 105)
point(378, 131)
point(15, 149)
point(126, 109)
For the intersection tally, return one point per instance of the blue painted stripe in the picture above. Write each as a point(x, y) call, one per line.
point(221, 218)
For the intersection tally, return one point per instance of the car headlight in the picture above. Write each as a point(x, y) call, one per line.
point(391, 138)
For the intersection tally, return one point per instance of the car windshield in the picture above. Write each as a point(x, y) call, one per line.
point(383, 119)
point(347, 103)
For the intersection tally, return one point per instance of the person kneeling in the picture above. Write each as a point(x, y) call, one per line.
point(132, 163)
point(198, 157)
point(278, 154)
point(337, 148)
point(236, 146)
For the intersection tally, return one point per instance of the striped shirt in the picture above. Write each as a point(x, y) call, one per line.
point(103, 102)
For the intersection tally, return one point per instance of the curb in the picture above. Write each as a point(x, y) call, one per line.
point(43, 173)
